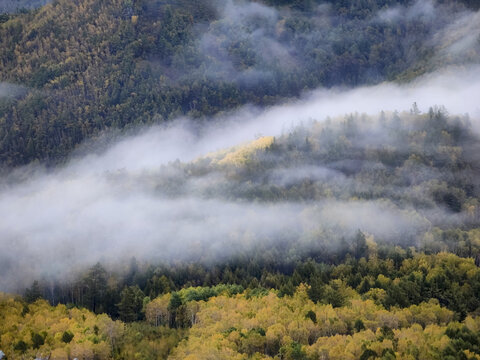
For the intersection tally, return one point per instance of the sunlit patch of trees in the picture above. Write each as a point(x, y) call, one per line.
point(294, 327)
point(229, 322)
point(239, 156)
point(31, 330)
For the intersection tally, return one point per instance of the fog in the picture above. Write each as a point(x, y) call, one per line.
point(8, 90)
point(252, 44)
point(12, 6)
point(453, 88)
point(246, 25)
point(111, 204)
point(461, 37)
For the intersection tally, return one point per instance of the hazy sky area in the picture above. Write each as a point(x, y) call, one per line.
point(96, 209)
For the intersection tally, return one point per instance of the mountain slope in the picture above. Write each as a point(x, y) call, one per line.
point(92, 65)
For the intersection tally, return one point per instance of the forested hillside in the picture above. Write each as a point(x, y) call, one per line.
point(91, 65)
point(416, 173)
point(404, 285)
point(240, 179)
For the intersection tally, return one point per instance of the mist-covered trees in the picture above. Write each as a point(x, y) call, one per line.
point(131, 303)
point(33, 293)
point(398, 280)
point(422, 190)
point(95, 284)
point(121, 64)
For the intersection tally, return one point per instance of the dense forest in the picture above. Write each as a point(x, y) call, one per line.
point(416, 310)
point(137, 223)
point(92, 65)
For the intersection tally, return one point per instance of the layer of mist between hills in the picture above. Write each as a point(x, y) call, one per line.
point(296, 179)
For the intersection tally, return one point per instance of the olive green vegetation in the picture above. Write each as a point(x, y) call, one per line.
point(91, 65)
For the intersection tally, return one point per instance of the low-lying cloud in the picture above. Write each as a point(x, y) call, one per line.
point(108, 206)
